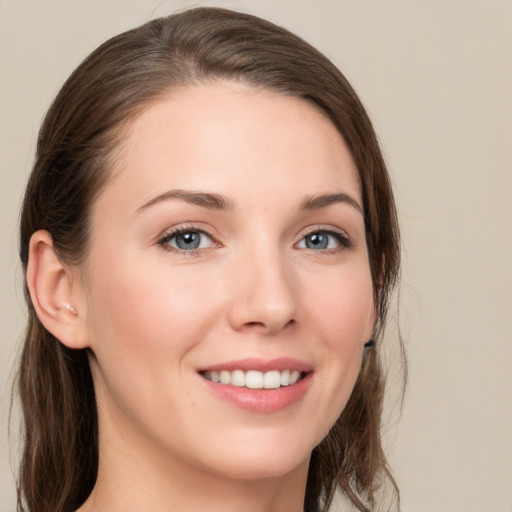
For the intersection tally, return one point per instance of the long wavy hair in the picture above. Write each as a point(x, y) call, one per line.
point(75, 150)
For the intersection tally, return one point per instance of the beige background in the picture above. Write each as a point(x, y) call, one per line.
point(436, 77)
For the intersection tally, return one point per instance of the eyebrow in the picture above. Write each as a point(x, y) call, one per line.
point(204, 199)
point(318, 202)
point(219, 202)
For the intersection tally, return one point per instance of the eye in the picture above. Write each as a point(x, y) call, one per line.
point(187, 240)
point(324, 239)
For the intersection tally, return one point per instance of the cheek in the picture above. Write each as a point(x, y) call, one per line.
point(344, 307)
point(148, 315)
point(144, 323)
point(344, 318)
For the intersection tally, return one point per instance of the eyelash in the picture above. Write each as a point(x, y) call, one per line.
point(340, 236)
point(167, 237)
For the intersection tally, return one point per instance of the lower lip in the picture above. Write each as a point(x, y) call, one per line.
point(261, 400)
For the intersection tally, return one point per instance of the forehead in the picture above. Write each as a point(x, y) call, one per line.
point(234, 137)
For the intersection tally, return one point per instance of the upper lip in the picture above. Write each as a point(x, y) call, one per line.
point(262, 365)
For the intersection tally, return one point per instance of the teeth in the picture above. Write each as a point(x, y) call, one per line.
point(294, 377)
point(272, 380)
point(253, 379)
point(238, 378)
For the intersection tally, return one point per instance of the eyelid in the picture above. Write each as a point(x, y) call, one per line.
point(170, 233)
point(341, 235)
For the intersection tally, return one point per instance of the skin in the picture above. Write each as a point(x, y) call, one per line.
point(152, 315)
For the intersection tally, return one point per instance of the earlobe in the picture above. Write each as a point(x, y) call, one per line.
point(51, 284)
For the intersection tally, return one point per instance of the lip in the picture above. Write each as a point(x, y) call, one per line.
point(261, 400)
point(261, 365)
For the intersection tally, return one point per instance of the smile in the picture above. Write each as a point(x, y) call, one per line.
point(253, 379)
point(259, 385)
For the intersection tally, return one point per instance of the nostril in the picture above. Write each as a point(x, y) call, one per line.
point(265, 326)
point(255, 324)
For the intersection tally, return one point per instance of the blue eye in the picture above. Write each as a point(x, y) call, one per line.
point(324, 240)
point(187, 240)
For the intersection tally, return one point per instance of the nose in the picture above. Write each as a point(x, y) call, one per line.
point(264, 299)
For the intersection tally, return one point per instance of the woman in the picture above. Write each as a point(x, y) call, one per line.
point(210, 240)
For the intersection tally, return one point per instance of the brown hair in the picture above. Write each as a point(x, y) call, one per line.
point(75, 150)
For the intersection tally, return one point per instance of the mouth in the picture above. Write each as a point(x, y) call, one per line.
point(259, 385)
point(254, 379)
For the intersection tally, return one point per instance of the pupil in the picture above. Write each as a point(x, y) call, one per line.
point(317, 241)
point(188, 240)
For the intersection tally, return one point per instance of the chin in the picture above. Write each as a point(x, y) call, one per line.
point(261, 454)
point(272, 466)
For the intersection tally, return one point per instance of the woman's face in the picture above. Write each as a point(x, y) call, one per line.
point(230, 244)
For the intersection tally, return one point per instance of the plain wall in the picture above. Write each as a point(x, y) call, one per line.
point(436, 77)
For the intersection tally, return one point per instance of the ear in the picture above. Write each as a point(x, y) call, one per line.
point(54, 292)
